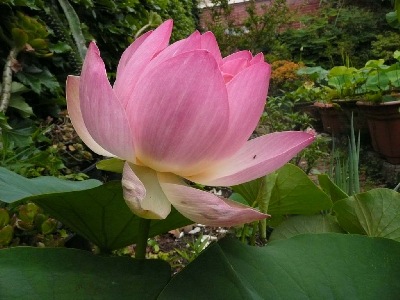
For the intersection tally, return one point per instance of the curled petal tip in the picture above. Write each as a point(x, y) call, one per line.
point(142, 193)
point(206, 208)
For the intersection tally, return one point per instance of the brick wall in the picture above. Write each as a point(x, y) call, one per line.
point(239, 10)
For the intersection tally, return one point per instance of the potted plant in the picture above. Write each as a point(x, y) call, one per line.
point(338, 103)
point(381, 107)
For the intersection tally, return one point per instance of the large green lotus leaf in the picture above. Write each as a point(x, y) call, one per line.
point(329, 187)
point(375, 213)
point(102, 216)
point(95, 211)
point(59, 273)
point(309, 266)
point(14, 187)
point(301, 224)
point(288, 191)
point(295, 193)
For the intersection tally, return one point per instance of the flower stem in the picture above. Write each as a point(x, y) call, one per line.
point(143, 235)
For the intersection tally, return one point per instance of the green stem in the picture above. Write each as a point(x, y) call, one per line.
point(5, 94)
point(143, 235)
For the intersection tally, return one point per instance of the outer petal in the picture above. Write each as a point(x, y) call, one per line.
point(206, 208)
point(103, 114)
point(193, 42)
point(256, 158)
point(257, 59)
point(180, 113)
point(209, 43)
point(129, 52)
point(244, 54)
point(74, 111)
point(127, 77)
point(143, 194)
point(247, 93)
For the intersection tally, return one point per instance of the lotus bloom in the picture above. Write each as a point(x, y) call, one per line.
point(177, 112)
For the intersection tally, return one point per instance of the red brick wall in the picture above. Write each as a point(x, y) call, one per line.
point(239, 10)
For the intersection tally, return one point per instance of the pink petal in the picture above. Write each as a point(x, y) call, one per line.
point(129, 75)
point(143, 193)
point(257, 59)
point(235, 66)
point(191, 43)
point(244, 54)
point(102, 112)
point(206, 208)
point(247, 93)
point(227, 77)
point(256, 158)
point(209, 43)
point(74, 111)
point(180, 113)
point(129, 52)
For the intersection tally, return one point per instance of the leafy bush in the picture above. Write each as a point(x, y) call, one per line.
point(336, 35)
point(258, 32)
point(284, 76)
point(384, 46)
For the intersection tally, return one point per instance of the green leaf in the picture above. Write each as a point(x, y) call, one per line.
point(59, 273)
point(295, 193)
point(19, 103)
point(115, 165)
point(375, 213)
point(19, 135)
point(60, 47)
point(101, 215)
point(310, 266)
point(97, 212)
point(38, 79)
point(393, 21)
point(329, 187)
point(287, 191)
point(20, 37)
point(18, 88)
point(296, 225)
point(14, 187)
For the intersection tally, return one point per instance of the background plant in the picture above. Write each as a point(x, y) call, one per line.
point(338, 31)
point(258, 32)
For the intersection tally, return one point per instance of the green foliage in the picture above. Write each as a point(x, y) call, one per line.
point(193, 249)
point(262, 28)
point(315, 265)
point(257, 34)
point(345, 168)
point(304, 267)
point(32, 151)
point(274, 194)
point(113, 25)
point(384, 46)
point(70, 273)
point(97, 212)
point(374, 213)
point(335, 34)
point(29, 226)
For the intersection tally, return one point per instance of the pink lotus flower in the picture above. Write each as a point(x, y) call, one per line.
point(180, 111)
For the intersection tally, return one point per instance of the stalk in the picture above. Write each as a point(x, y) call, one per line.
point(143, 235)
point(7, 80)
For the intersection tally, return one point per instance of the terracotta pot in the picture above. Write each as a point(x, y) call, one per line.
point(336, 117)
point(384, 127)
point(334, 120)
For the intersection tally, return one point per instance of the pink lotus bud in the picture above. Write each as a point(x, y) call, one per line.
point(180, 111)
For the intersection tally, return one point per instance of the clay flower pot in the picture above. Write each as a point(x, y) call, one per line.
point(384, 127)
